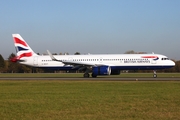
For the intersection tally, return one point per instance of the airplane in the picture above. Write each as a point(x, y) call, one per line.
point(99, 64)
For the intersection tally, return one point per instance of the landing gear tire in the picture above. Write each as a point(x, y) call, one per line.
point(93, 75)
point(155, 76)
point(86, 75)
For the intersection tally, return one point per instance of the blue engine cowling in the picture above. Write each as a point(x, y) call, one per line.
point(101, 70)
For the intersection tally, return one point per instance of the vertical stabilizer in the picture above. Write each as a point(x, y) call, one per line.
point(22, 48)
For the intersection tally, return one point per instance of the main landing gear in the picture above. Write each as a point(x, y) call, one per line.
point(86, 75)
point(154, 75)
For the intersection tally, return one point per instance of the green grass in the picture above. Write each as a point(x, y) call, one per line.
point(62, 75)
point(89, 100)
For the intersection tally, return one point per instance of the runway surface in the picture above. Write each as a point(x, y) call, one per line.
point(98, 79)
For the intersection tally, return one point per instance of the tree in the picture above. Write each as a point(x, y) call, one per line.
point(12, 67)
point(15, 67)
point(130, 52)
point(2, 63)
point(66, 53)
point(77, 53)
point(177, 66)
point(133, 52)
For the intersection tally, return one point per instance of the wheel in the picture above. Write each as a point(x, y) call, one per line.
point(93, 75)
point(86, 75)
point(155, 76)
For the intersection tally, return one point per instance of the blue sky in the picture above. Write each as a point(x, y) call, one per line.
point(92, 26)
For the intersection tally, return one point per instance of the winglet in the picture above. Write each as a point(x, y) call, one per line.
point(52, 57)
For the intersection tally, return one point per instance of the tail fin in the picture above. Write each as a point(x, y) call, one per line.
point(22, 48)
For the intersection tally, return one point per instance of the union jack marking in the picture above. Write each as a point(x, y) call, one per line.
point(29, 54)
point(18, 41)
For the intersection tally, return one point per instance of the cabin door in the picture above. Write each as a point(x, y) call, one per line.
point(35, 62)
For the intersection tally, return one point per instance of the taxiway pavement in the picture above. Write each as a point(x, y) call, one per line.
point(97, 79)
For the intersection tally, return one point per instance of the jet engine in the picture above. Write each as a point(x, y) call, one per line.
point(101, 70)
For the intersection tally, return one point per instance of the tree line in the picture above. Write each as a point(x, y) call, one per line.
point(6, 66)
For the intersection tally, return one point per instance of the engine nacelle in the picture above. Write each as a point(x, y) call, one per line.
point(115, 72)
point(101, 70)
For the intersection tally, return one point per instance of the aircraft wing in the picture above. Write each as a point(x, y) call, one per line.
point(74, 63)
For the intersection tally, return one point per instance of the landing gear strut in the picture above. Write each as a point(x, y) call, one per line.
point(86, 75)
point(154, 75)
point(89, 70)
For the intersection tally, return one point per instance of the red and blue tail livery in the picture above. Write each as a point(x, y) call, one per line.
point(18, 40)
point(22, 48)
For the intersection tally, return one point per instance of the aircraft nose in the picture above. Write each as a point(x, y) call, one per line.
point(172, 63)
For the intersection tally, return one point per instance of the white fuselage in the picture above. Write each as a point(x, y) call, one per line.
point(115, 61)
point(107, 64)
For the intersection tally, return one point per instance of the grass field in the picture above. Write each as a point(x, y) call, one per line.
point(56, 75)
point(89, 100)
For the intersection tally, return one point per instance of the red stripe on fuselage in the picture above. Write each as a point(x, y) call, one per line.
point(17, 40)
point(149, 56)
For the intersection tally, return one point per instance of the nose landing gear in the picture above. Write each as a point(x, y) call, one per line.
point(86, 75)
point(154, 75)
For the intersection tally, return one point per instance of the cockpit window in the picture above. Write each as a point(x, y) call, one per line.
point(165, 59)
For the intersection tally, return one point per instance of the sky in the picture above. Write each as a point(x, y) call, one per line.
point(92, 26)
